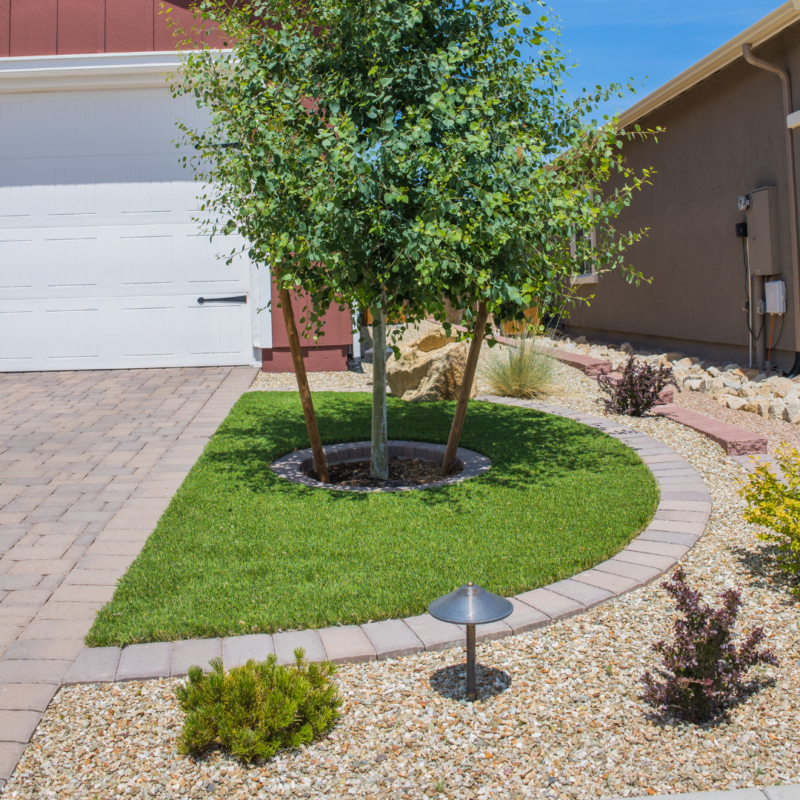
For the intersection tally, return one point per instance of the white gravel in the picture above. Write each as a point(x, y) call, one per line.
point(559, 714)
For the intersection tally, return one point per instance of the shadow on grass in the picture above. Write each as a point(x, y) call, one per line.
point(451, 682)
point(530, 446)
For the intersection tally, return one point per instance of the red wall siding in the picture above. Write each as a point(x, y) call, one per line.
point(33, 28)
point(81, 26)
point(55, 27)
point(329, 355)
point(5, 20)
point(129, 26)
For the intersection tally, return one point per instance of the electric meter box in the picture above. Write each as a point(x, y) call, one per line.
point(762, 231)
point(775, 297)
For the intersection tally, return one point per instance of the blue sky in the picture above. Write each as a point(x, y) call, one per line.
point(650, 41)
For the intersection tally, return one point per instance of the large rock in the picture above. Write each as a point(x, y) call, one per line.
point(736, 403)
point(776, 409)
point(434, 339)
point(791, 412)
point(420, 375)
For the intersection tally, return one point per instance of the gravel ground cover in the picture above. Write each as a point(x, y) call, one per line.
point(559, 714)
point(777, 431)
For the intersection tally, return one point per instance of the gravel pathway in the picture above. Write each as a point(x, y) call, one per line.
point(559, 714)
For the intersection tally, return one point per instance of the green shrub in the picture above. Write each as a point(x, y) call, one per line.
point(776, 506)
point(523, 371)
point(259, 708)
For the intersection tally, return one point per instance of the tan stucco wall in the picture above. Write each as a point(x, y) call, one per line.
point(723, 138)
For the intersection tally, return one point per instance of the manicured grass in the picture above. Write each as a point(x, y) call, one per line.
point(240, 550)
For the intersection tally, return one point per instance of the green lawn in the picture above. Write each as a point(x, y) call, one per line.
point(240, 551)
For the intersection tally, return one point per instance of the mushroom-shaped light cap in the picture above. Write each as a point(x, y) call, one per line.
point(470, 605)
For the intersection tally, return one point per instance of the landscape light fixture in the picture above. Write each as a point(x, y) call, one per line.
point(470, 605)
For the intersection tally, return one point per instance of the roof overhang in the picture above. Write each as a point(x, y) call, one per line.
point(756, 34)
point(71, 73)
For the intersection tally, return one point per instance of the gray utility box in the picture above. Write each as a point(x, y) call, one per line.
point(762, 232)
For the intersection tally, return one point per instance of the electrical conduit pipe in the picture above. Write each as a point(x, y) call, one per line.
point(786, 82)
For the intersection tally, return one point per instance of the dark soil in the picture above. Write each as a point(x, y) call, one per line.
point(402, 472)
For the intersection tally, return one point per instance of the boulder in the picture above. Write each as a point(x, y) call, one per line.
point(581, 340)
point(730, 367)
point(716, 384)
point(673, 356)
point(763, 407)
point(751, 407)
point(626, 348)
point(736, 403)
point(683, 364)
point(694, 385)
point(747, 391)
point(434, 339)
point(776, 409)
point(419, 375)
point(791, 412)
point(784, 385)
point(750, 373)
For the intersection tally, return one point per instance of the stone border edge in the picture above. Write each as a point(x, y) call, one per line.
point(292, 466)
point(680, 520)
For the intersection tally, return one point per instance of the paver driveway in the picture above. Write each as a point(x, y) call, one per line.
point(88, 463)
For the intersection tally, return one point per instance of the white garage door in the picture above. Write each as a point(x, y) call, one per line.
point(101, 265)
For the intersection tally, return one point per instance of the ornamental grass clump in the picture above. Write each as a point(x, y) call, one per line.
point(259, 708)
point(703, 668)
point(523, 370)
point(637, 390)
point(775, 505)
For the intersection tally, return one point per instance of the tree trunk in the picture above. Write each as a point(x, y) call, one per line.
point(379, 459)
point(466, 387)
point(302, 384)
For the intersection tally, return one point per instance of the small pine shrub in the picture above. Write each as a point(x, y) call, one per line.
point(703, 667)
point(523, 370)
point(637, 390)
point(257, 709)
point(776, 506)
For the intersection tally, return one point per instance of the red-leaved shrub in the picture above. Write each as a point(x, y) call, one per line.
point(636, 391)
point(703, 668)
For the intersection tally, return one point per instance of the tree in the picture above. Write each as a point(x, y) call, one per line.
point(401, 154)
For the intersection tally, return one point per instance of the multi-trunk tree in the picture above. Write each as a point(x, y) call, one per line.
point(404, 155)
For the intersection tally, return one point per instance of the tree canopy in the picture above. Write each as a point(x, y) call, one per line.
point(407, 150)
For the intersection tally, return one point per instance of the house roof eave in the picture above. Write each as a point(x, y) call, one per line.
point(762, 31)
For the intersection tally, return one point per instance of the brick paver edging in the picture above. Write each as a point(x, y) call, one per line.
point(679, 521)
point(295, 466)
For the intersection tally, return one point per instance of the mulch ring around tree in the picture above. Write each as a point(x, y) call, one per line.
point(402, 472)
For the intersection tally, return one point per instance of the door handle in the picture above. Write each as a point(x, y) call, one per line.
point(239, 298)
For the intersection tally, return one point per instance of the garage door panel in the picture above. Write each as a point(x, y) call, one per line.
point(122, 332)
point(15, 195)
point(71, 262)
point(148, 332)
point(109, 191)
point(215, 330)
point(16, 339)
point(95, 123)
point(73, 333)
point(61, 262)
point(15, 263)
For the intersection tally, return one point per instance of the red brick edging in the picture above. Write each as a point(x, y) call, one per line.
point(679, 521)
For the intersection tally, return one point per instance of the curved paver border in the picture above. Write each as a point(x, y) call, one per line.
point(680, 520)
point(294, 466)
